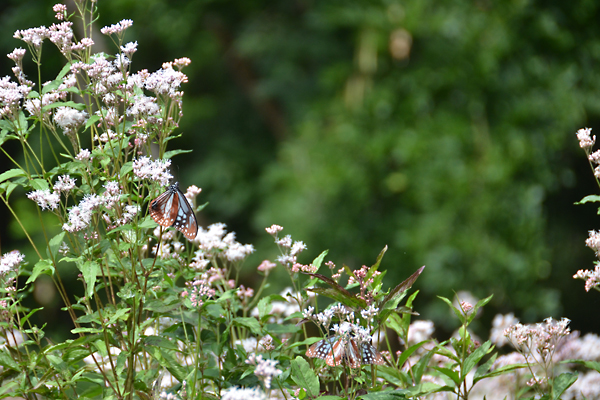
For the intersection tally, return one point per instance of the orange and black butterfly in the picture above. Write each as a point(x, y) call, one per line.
point(172, 209)
point(339, 349)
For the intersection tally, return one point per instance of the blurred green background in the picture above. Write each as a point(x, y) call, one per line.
point(445, 130)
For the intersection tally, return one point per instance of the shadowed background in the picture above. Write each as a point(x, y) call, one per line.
point(445, 131)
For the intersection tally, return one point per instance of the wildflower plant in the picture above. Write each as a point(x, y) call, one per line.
point(163, 315)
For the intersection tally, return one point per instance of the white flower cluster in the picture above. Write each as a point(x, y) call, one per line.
point(154, 170)
point(265, 369)
point(216, 242)
point(11, 261)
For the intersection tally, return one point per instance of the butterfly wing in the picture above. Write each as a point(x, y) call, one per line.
point(185, 220)
point(338, 349)
point(327, 349)
point(172, 209)
point(370, 355)
point(319, 349)
point(353, 354)
point(161, 207)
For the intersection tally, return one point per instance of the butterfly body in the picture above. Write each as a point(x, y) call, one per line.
point(172, 209)
point(336, 350)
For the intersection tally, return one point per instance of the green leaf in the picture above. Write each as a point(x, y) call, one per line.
point(265, 304)
point(473, 313)
point(166, 359)
point(501, 371)
point(41, 267)
point(379, 258)
point(421, 365)
point(391, 375)
point(342, 296)
point(24, 319)
point(89, 270)
point(389, 395)
point(120, 314)
point(450, 373)
point(562, 383)
point(250, 323)
point(408, 352)
point(7, 361)
point(484, 368)
point(23, 124)
point(475, 357)
point(91, 120)
point(38, 184)
point(281, 329)
point(593, 198)
point(126, 168)
point(304, 376)
point(393, 298)
point(72, 104)
point(160, 341)
point(54, 244)
point(319, 260)
point(337, 292)
point(457, 312)
point(172, 153)
point(86, 330)
point(595, 365)
point(11, 173)
point(58, 363)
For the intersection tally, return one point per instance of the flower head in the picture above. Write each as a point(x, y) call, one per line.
point(44, 198)
point(64, 184)
point(119, 27)
point(155, 170)
point(11, 262)
point(586, 140)
point(69, 118)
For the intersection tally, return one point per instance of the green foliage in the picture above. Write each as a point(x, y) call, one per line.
point(446, 152)
point(158, 313)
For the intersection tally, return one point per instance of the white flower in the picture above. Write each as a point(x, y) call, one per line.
point(11, 261)
point(64, 184)
point(155, 170)
point(237, 393)
point(84, 155)
point(69, 118)
point(45, 199)
point(81, 215)
point(117, 28)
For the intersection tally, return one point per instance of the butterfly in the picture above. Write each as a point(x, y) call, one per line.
point(172, 209)
point(338, 349)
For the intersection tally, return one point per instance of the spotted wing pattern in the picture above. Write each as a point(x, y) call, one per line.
point(336, 350)
point(172, 209)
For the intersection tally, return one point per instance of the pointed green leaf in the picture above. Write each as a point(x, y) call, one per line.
point(54, 244)
point(393, 298)
point(41, 267)
point(304, 376)
point(475, 357)
point(89, 270)
point(379, 258)
point(593, 198)
point(11, 173)
point(170, 154)
point(319, 260)
point(562, 383)
point(250, 323)
point(450, 373)
point(343, 297)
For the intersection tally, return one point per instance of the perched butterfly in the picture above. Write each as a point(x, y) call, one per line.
point(338, 349)
point(172, 209)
